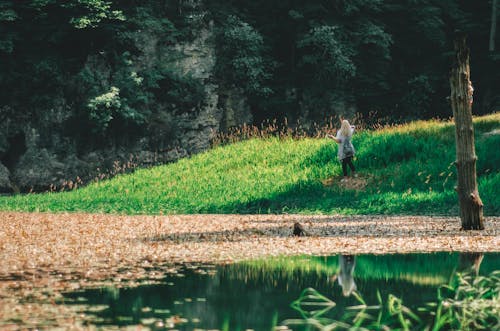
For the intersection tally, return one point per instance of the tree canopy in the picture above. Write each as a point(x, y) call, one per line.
point(100, 65)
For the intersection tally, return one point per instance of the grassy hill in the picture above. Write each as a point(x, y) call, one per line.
point(405, 169)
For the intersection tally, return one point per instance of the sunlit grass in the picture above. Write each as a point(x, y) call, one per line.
point(408, 169)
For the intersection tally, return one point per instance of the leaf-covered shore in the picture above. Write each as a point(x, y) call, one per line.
point(44, 254)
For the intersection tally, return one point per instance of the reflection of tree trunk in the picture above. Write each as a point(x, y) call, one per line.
point(471, 206)
point(493, 28)
point(470, 262)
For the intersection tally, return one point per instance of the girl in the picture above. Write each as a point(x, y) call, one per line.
point(346, 149)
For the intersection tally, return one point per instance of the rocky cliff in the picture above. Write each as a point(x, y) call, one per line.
point(38, 156)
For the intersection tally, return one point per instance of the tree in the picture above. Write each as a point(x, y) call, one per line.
point(493, 27)
point(471, 206)
point(241, 57)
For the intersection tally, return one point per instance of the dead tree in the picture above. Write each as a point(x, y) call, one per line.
point(471, 206)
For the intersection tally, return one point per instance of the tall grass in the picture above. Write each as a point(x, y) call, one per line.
point(408, 169)
point(468, 303)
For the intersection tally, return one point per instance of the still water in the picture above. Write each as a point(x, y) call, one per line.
point(258, 295)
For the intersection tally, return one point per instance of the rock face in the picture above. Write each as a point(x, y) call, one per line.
point(37, 168)
point(198, 61)
point(5, 186)
point(235, 107)
point(47, 161)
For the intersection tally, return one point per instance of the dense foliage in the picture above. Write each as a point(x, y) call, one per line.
point(77, 68)
point(391, 57)
point(406, 169)
point(96, 68)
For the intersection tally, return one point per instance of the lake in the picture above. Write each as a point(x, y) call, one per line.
point(262, 295)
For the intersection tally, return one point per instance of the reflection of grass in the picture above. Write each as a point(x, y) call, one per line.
point(415, 268)
point(294, 269)
point(287, 264)
point(408, 170)
point(468, 303)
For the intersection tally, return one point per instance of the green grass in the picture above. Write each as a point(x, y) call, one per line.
point(409, 170)
point(469, 302)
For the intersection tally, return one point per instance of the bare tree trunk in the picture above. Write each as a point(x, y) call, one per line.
point(471, 206)
point(493, 28)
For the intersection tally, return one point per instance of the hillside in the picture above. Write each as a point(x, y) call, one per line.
point(76, 75)
point(405, 169)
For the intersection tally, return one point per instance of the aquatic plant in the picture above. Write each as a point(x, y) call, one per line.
point(469, 302)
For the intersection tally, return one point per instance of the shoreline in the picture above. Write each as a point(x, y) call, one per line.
point(46, 254)
point(82, 242)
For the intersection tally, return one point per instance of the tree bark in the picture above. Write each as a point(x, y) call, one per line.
point(471, 206)
point(493, 27)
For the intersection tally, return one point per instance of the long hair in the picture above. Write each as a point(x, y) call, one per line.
point(345, 128)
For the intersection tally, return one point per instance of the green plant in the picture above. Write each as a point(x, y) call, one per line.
point(276, 171)
point(470, 303)
point(241, 57)
point(103, 107)
point(327, 54)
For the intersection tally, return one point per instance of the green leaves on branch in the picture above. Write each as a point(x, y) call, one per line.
point(121, 96)
point(93, 13)
point(356, 7)
point(81, 13)
point(128, 95)
point(328, 55)
point(241, 57)
point(371, 34)
point(103, 107)
point(7, 15)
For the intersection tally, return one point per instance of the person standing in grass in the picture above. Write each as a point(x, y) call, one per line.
point(346, 149)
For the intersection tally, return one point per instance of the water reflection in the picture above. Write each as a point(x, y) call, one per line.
point(257, 294)
point(467, 302)
point(470, 262)
point(345, 275)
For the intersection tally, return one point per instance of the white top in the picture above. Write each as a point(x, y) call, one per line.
point(343, 139)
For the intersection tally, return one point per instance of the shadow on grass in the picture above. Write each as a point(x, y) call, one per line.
point(402, 156)
point(314, 197)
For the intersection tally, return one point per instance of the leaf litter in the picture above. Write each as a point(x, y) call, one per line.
point(44, 255)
